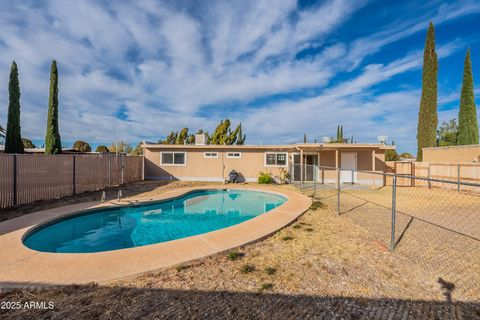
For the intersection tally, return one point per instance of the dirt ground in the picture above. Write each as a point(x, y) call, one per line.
point(438, 229)
point(322, 266)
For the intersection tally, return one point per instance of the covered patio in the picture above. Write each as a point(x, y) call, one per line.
point(318, 162)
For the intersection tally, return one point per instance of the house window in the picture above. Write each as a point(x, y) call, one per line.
point(236, 155)
point(276, 159)
point(210, 154)
point(173, 158)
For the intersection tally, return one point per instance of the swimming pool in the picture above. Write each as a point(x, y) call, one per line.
point(195, 213)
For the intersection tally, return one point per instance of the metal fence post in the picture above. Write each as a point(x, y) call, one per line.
point(458, 177)
point(143, 167)
point(14, 179)
point(394, 211)
point(74, 180)
point(338, 191)
point(429, 182)
point(122, 163)
point(109, 170)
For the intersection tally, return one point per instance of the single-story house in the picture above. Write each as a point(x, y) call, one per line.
point(302, 162)
point(453, 154)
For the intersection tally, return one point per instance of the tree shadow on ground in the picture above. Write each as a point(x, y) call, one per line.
point(98, 302)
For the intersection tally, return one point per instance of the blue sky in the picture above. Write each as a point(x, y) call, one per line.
point(282, 68)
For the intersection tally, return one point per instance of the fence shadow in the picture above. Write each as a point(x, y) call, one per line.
point(128, 190)
point(92, 302)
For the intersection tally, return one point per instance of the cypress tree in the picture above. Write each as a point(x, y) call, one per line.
point(304, 138)
point(241, 136)
point(341, 134)
point(427, 116)
point(13, 138)
point(53, 144)
point(467, 117)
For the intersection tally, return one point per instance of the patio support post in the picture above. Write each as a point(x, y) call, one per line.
point(373, 168)
point(394, 211)
point(338, 191)
point(336, 159)
point(301, 167)
point(373, 160)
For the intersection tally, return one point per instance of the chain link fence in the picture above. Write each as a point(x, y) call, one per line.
point(434, 223)
point(29, 178)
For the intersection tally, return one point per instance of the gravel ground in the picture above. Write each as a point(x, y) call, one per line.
point(438, 229)
point(321, 266)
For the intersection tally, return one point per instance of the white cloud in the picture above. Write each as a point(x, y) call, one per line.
point(161, 64)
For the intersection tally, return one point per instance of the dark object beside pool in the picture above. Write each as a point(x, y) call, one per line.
point(233, 176)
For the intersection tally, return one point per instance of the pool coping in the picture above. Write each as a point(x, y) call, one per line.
point(27, 268)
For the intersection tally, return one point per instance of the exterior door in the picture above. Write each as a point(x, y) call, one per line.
point(311, 162)
point(296, 168)
point(348, 164)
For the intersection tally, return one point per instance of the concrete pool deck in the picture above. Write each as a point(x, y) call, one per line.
point(23, 267)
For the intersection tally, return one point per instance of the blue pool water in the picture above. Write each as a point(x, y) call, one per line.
point(118, 228)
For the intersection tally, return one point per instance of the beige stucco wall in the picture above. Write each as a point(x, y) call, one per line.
point(455, 154)
point(364, 159)
point(364, 162)
point(251, 163)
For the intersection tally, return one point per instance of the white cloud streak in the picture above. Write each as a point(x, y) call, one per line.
point(161, 64)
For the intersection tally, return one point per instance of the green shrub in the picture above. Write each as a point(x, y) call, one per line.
point(234, 255)
point(270, 270)
point(102, 149)
point(27, 143)
point(266, 286)
point(265, 178)
point(182, 267)
point(247, 268)
point(287, 238)
point(315, 205)
point(82, 146)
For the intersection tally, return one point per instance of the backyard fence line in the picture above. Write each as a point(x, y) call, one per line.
point(28, 178)
point(435, 222)
point(460, 172)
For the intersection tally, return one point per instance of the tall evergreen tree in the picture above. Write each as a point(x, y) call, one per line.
point(53, 144)
point(338, 134)
point(341, 134)
point(182, 136)
point(13, 138)
point(467, 117)
point(427, 116)
point(304, 138)
point(232, 136)
point(170, 139)
point(241, 136)
point(221, 133)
